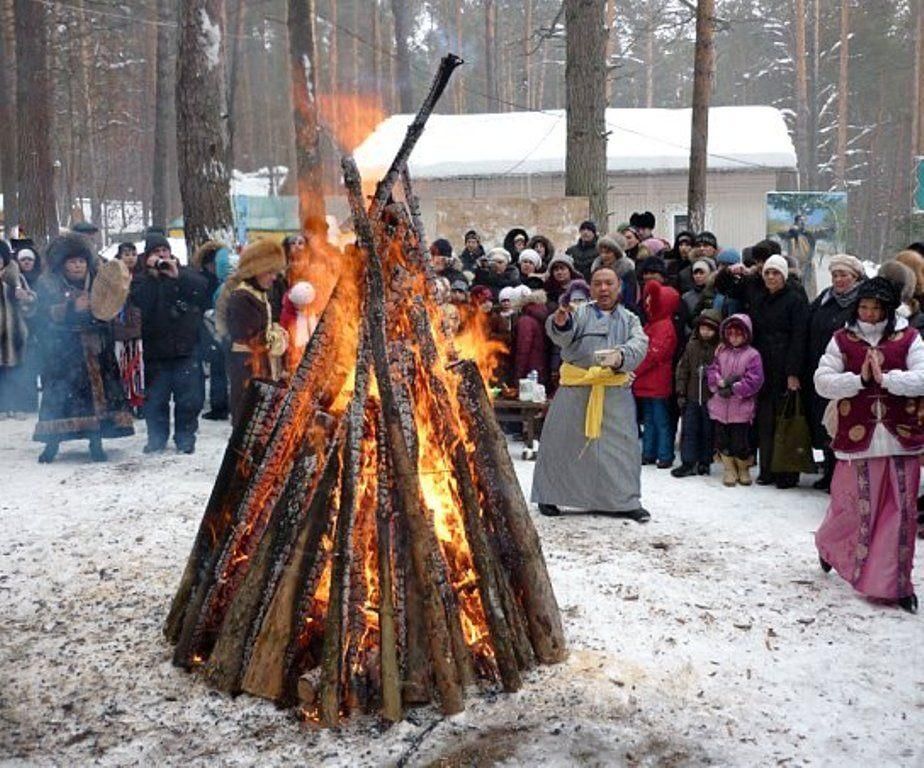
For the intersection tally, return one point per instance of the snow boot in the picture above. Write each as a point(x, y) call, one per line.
point(549, 510)
point(48, 455)
point(825, 565)
point(744, 472)
point(684, 470)
point(730, 478)
point(703, 468)
point(909, 603)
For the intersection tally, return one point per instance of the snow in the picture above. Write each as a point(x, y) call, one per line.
point(640, 140)
point(259, 183)
point(211, 39)
point(708, 636)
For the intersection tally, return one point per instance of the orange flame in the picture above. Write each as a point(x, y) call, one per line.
point(351, 117)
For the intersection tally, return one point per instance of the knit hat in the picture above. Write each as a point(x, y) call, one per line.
point(609, 243)
point(707, 238)
point(25, 253)
point(507, 294)
point(261, 256)
point(441, 247)
point(85, 228)
point(480, 294)
point(729, 256)
point(528, 254)
point(588, 224)
point(848, 263)
point(778, 263)
point(459, 285)
point(653, 264)
point(644, 220)
point(499, 254)
point(575, 287)
point(563, 258)
point(654, 245)
point(523, 292)
point(704, 265)
point(153, 241)
point(472, 234)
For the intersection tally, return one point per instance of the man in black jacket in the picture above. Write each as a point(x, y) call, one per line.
point(172, 299)
point(584, 251)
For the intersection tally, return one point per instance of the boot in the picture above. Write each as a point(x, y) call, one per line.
point(744, 472)
point(549, 510)
point(909, 603)
point(825, 565)
point(48, 455)
point(730, 478)
point(684, 470)
point(96, 450)
point(703, 468)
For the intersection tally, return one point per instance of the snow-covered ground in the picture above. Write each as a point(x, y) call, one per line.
point(708, 637)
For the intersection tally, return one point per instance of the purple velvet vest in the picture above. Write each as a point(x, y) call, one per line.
point(858, 416)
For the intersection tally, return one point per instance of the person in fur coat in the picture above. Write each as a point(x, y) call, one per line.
point(14, 300)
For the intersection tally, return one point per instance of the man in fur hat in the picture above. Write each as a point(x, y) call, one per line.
point(172, 299)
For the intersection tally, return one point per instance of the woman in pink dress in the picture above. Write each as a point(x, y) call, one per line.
point(874, 370)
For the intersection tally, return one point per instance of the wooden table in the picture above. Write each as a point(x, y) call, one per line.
point(530, 415)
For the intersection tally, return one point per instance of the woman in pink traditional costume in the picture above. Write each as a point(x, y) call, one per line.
point(874, 370)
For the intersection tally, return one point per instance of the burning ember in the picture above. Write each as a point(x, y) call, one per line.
point(367, 546)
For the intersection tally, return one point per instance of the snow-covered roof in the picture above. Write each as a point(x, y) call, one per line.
point(640, 141)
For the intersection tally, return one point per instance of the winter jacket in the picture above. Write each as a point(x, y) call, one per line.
point(743, 367)
point(508, 242)
point(653, 378)
point(510, 277)
point(691, 300)
point(547, 244)
point(470, 259)
point(780, 323)
point(171, 312)
point(690, 379)
point(584, 255)
point(531, 345)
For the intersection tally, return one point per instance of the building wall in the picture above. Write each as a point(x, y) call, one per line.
point(736, 209)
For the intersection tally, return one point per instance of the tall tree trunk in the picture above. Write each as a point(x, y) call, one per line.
point(160, 193)
point(649, 62)
point(38, 212)
point(8, 165)
point(811, 171)
point(843, 85)
point(798, 12)
point(201, 124)
point(403, 56)
point(703, 74)
point(917, 99)
point(585, 96)
point(612, 43)
point(302, 57)
point(84, 76)
point(459, 84)
point(492, 97)
point(234, 68)
point(527, 84)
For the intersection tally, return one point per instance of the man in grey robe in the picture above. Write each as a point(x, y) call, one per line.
point(602, 474)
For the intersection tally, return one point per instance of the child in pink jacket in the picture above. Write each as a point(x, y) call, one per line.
point(735, 377)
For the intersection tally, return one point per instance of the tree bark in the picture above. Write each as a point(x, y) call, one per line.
point(612, 48)
point(843, 85)
point(917, 100)
point(234, 68)
point(811, 171)
point(202, 124)
point(585, 103)
point(798, 12)
point(491, 90)
point(160, 193)
point(39, 215)
point(403, 57)
point(302, 58)
point(703, 74)
point(8, 164)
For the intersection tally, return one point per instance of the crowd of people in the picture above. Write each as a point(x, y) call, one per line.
point(637, 339)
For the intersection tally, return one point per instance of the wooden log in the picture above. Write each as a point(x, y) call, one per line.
point(388, 641)
point(508, 509)
point(226, 664)
point(268, 668)
point(383, 190)
point(247, 444)
point(424, 548)
point(333, 652)
point(413, 205)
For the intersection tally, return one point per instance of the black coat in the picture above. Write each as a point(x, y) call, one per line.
point(825, 317)
point(510, 277)
point(171, 313)
point(584, 255)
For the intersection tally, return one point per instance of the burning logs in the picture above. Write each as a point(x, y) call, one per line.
point(367, 546)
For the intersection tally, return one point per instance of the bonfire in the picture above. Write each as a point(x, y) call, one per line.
point(367, 546)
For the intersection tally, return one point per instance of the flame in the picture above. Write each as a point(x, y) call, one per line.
point(350, 117)
point(474, 343)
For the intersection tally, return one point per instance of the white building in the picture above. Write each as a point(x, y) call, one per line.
point(521, 155)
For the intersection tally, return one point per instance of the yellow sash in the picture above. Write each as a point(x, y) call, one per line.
point(597, 379)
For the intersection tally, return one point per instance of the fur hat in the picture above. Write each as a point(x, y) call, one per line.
point(528, 254)
point(848, 263)
point(765, 249)
point(653, 264)
point(610, 243)
point(508, 293)
point(915, 262)
point(778, 263)
point(903, 277)
point(883, 290)
point(260, 256)
point(499, 254)
point(575, 286)
point(64, 247)
point(563, 258)
point(644, 220)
